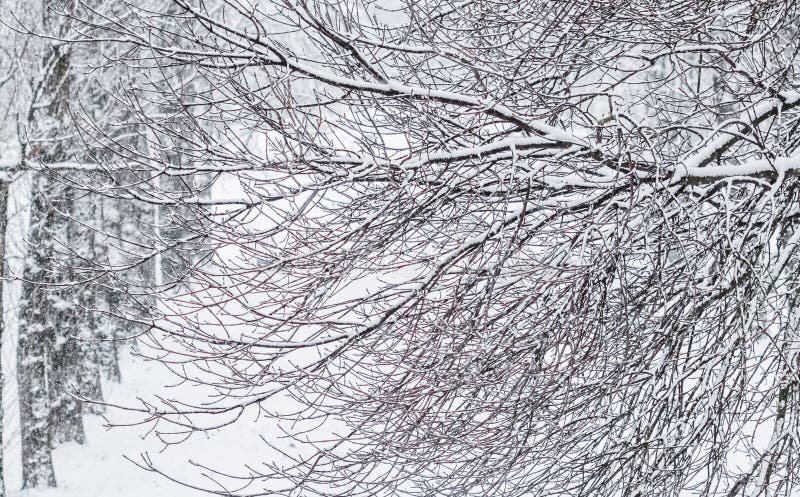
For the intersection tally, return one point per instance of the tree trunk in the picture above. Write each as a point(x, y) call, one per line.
point(36, 341)
point(47, 317)
point(3, 222)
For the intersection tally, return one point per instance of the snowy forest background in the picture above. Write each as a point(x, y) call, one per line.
point(400, 248)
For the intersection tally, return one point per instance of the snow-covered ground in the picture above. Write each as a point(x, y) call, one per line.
point(99, 468)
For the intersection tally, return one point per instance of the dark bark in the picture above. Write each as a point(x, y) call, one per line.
point(3, 223)
point(47, 415)
point(37, 334)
